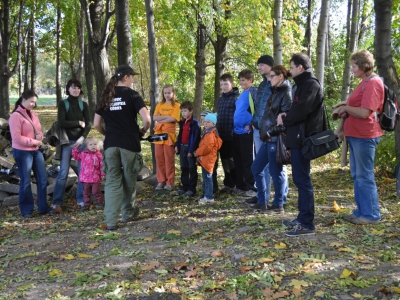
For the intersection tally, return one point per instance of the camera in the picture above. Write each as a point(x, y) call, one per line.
point(275, 130)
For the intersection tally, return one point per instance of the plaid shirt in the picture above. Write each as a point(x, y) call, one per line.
point(226, 109)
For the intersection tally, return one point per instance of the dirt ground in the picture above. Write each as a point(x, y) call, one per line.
point(179, 249)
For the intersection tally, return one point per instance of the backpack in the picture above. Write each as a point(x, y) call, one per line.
point(66, 102)
point(389, 116)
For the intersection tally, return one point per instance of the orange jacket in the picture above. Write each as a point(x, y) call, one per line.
point(207, 151)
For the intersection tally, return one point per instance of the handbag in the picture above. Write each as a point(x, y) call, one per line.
point(321, 143)
point(283, 155)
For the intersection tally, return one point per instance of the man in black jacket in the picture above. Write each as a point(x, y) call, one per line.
point(305, 117)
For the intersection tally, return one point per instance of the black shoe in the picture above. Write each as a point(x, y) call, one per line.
point(180, 192)
point(261, 207)
point(189, 194)
point(290, 223)
point(84, 207)
point(28, 216)
point(99, 206)
point(300, 230)
point(272, 209)
point(252, 200)
point(48, 212)
point(112, 227)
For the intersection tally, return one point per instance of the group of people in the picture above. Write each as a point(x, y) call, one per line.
point(246, 121)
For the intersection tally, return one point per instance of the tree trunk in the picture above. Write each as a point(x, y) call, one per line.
point(383, 53)
point(98, 18)
point(307, 35)
point(33, 56)
point(91, 96)
point(200, 69)
point(124, 35)
point(277, 32)
point(81, 39)
point(352, 45)
point(58, 54)
point(153, 69)
point(27, 55)
point(321, 41)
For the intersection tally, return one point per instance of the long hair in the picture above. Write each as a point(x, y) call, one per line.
point(25, 95)
point(107, 96)
point(163, 100)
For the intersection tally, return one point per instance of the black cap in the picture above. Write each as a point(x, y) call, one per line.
point(266, 59)
point(125, 70)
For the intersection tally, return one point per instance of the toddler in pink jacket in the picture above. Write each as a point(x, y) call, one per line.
point(91, 172)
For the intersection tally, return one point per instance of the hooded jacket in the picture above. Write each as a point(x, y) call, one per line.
point(208, 147)
point(91, 165)
point(306, 115)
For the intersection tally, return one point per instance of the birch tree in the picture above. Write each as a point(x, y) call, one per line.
point(321, 41)
point(277, 32)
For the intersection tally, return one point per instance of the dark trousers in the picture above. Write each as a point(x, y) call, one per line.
point(92, 188)
point(226, 155)
point(243, 158)
point(302, 179)
point(214, 176)
point(189, 174)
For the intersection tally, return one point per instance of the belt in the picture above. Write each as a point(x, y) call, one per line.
point(185, 144)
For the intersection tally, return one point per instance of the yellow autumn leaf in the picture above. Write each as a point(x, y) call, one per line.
point(196, 232)
point(336, 207)
point(171, 281)
point(336, 244)
point(319, 294)
point(148, 239)
point(298, 283)
point(377, 232)
point(94, 245)
point(265, 260)
point(277, 278)
point(55, 272)
point(356, 295)
point(395, 289)
point(82, 255)
point(69, 256)
point(345, 250)
point(346, 273)
point(280, 246)
point(172, 231)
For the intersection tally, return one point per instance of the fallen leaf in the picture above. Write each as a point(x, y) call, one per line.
point(346, 273)
point(265, 260)
point(296, 291)
point(171, 281)
point(244, 259)
point(191, 273)
point(298, 283)
point(196, 232)
point(9, 227)
point(219, 230)
point(319, 293)
point(356, 295)
point(205, 264)
point(280, 246)
point(335, 207)
point(55, 272)
point(148, 239)
point(264, 244)
point(82, 255)
point(377, 232)
point(345, 250)
point(104, 226)
point(395, 289)
point(172, 231)
point(69, 256)
point(217, 253)
point(232, 296)
point(277, 278)
point(180, 266)
point(336, 244)
point(94, 245)
point(26, 245)
point(312, 264)
point(282, 294)
point(245, 269)
point(266, 292)
point(151, 265)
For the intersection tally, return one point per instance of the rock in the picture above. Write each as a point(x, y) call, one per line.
point(6, 162)
point(11, 201)
point(144, 173)
point(151, 180)
point(9, 188)
point(3, 195)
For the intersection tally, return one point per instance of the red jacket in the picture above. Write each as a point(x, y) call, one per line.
point(207, 151)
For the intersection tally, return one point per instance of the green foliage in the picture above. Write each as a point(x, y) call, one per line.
point(385, 157)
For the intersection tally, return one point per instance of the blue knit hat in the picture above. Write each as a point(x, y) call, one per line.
point(212, 117)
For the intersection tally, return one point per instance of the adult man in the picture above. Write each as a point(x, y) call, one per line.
point(305, 116)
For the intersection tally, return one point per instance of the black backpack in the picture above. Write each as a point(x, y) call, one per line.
point(389, 116)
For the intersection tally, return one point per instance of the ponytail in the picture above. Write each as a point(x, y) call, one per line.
point(107, 96)
point(25, 95)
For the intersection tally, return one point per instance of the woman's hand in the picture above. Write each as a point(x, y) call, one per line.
point(79, 141)
point(82, 124)
point(279, 120)
point(342, 113)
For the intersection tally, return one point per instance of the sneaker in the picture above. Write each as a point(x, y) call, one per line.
point(238, 191)
point(300, 230)
point(250, 193)
point(167, 187)
point(48, 212)
point(57, 208)
point(99, 206)
point(272, 209)
point(290, 223)
point(27, 216)
point(180, 192)
point(205, 200)
point(189, 194)
point(85, 208)
point(111, 227)
point(359, 220)
point(160, 186)
point(257, 206)
point(226, 189)
point(252, 200)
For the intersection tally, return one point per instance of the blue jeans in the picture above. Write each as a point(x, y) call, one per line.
point(207, 184)
point(267, 178)
point(362, 154)
point(26, 162)
point(302, 179)
point(65, 163)
point(266, 156)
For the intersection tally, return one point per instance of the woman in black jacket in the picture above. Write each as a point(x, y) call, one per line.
point(279, 101)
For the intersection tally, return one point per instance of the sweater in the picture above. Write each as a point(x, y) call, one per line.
point(22, 133)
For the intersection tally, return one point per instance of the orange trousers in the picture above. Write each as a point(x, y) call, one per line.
point(165, 160)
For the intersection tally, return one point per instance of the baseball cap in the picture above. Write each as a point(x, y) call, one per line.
point(124, 70)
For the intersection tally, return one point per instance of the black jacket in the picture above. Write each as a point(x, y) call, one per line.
point(226, 106)
point(279, 101)
point(306, 116)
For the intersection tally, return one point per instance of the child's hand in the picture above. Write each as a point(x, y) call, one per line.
point(247, 128)
point(190, 155)
point(176, 149)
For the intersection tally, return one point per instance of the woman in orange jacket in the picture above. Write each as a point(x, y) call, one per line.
point(207, 155)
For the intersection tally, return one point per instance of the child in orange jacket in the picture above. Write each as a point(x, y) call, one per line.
point(207, 155)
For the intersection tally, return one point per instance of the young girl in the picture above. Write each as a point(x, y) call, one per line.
point(91, 172)
point(166, 114)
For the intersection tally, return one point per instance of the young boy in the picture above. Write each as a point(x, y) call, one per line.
point(207, 155)
point(243, 135)
point(186, 144)
point(226, 109)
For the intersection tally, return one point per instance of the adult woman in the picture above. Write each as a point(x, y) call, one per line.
point(27, 136)
point(119, 106)
point(279, 101)
point(363, 132)
point(73, 116)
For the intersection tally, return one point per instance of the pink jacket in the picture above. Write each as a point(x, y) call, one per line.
point(91, 164)
point(22, 133)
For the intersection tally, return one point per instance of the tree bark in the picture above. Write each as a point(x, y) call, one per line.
point(33, 56)
point(277, 31)
point(307, 35)
point(89, 74)
point(81, 39)
point(383, 53)
point(58, 54)
point(321, 41)
point(200, 68)
point(26, 58)
point(153, 69)
point(124, 35)
point(352, 45)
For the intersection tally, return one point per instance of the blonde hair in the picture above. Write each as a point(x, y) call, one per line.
point(364, 60)
point(173, 100)
point(89, 139)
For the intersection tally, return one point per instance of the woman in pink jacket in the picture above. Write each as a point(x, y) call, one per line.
point(27, 136)
point(91, 172)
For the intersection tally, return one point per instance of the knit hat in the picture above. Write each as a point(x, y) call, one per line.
point(212, 117)
point(266, 59)
point(205, 113)
point(125, 70)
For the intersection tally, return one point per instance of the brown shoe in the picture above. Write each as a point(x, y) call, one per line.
point(58, 209)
